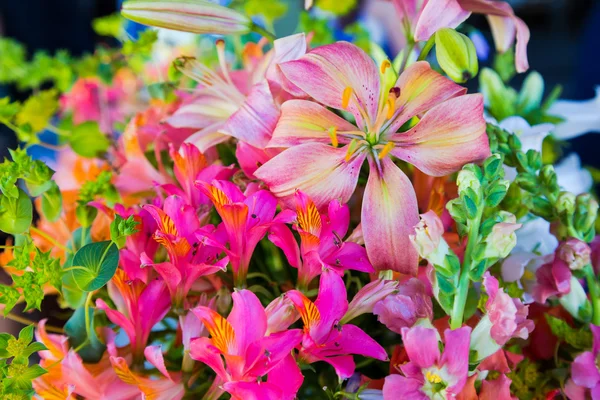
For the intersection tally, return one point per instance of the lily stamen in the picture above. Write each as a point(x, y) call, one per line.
point(386, 149)
point(333, 135)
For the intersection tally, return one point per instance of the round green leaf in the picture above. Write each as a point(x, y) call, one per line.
point(88, 141)
point(16, 214)
point(94, 265)
point(52, 203)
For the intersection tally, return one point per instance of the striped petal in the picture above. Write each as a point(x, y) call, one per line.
point(319, 170)
point(303, 121)
point(449, 136)
point(389, 213)
point(325, 72)
point(421, 88)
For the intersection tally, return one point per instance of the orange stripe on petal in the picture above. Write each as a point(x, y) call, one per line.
point(123, 372)
point(309, 313)
point(221, 332)
point(309, 218)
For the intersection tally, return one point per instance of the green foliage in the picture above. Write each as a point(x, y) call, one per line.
point(103, 187)
point(322, 33)
point(579, 338)
point(121, 228)
point(90, 347)
point(337, 7)
point(269, 10)
point(94, 265)
point(88, 141)
point(38, 109)
point(16, 214)
point(111, 25)
point(15, 373)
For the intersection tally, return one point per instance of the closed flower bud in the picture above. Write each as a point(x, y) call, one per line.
point(502, 239)
point(456, 54)
point(467, 179)
point(428, 239)
point(565, 203)
point(281, 313)
point(196, 16)
point(575, 253)
point(367, 297)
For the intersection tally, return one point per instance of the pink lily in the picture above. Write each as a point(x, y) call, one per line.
point(325, 338)
point(584, 371)
point(430, 374)
point(189, 257)
point(422, 18)
point(246, 220)
point(235, 104)
point(139, 308)
point(249, 353)
point(321, 244)
point(450, 133)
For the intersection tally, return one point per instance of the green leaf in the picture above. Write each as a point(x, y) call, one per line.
point(38, 109)
point(580, 339)
point(26, 334)
point(88, 141)
point(110, 25)
point(530, 96)
point(52, 203)
point(76, 330)
point(94, 265)
point(16, 214)
point(20, 376)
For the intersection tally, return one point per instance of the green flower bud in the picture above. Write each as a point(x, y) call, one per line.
point(467, 179)
point(456, 55)
point(565, 203)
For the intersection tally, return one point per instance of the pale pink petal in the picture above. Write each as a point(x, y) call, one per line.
point(421, 345)
point(246, 304)
point(303, 121)
point(449, 136)
point(389, 212)
point(318, 170)
point(497, 389)
point(208, 137)
point(431, 19)
point(155, 357)
point(325, 72)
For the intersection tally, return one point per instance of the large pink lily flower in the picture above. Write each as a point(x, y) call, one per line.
point(239, 104)
point(248, 351)
point(325, 338)
point(189, 257)
point(449, 134)
point(139, 308)
point(422, 18)
point(429, 373)
point(322, 244)
point(246, 220)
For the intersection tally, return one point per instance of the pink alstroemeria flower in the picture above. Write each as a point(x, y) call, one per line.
point(189, 257)
point(584, 371)
point(325, 338)
point(246, 220)
point(430, 374)
point(139, 308)
point(449, 134)
point(422, 18)
point(241, 352)
point(321, 241)
point(240, 104)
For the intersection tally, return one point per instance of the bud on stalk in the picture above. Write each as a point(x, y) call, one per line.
point(456, 55)
point(196, 16)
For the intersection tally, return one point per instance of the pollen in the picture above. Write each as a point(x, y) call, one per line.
point(432, 377)
point(346, 97)
point(333, 136)
point(386, 149)
point(385, 64)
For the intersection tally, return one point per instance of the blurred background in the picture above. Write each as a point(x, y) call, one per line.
point(564, 45)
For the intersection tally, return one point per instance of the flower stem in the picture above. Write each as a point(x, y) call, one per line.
point(262, 31)
point(88, 302)
point(460, 300)
point(50, 239)
point(26, 321)
point(592, 283)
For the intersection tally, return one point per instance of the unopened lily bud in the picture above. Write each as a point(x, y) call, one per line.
point(565, 203)
point(456, 54)
point(502, 239)
point(197, 16)
point(367, 297)
point(575, 253)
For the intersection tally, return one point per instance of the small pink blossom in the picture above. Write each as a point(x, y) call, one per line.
point(575, 253)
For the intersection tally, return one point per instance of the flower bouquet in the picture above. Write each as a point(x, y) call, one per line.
point(231, 214)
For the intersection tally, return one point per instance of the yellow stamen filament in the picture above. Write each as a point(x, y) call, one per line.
point(433, 378)
point(351, 149)
point(385, 65)
point(333, 136)
point(346, 97)
point(386, 149)
point(220, 45)
point(391, 103)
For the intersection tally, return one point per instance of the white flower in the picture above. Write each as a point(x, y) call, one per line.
point(580, 116)
point(573, 178)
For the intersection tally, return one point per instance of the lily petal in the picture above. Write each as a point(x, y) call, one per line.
point(389, 212)
point(431, 19)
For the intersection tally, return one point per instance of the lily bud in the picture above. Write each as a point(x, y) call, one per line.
point(575, 253)
point(367, 297)
point(197, 16)
point(456, 54)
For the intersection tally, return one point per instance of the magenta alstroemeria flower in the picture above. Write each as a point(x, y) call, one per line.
point(239, 104)
point(189, 257)
point(189, 166)
point(584, 371)
point(422, 18)
point(325, 338)
point(240, 351)
point(246, 220)
point(405, 308)
point(139, 308)
point(321, 241)
point(430, 374)
point(449, 134)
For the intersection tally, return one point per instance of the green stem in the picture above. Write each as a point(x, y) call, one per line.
point(26, 321)
point(409, 49)
point(592, 283)
point(427, 48)
point(460, 300)
point(88, 302)
point(50, 239)
point(262, 31)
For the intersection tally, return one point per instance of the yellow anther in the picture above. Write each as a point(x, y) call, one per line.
point(346, 97)
point(386, 149)
point(433, 378)
point(333, 136)
point(351, 149)
point(385, 64)
point(391, 103)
